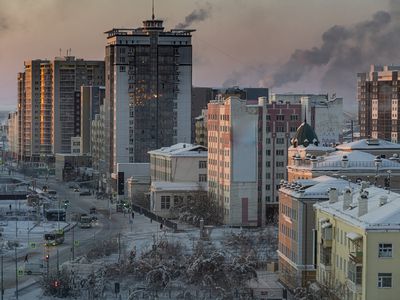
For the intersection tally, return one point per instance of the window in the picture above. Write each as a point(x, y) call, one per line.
point(268, 141)
point(268, 187)
point(384, 280)
point(294, 117)
point(280, 117)
point(385, 250)
point(268, 152)
point(165, 202)
point(202, 164)
point(280, 163)
point(280, 152)
point(202, 177)
point(280, 140)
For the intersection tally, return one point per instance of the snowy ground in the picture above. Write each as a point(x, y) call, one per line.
point(142, 234)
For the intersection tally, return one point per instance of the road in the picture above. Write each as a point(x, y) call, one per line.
point(77, 241)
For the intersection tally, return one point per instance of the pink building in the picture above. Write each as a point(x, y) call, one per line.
point(247, 156)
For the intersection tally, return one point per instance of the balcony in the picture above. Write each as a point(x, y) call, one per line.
point(356, 256)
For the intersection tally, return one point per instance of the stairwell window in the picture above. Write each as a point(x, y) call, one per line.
point(385, 250)
point(165, 202)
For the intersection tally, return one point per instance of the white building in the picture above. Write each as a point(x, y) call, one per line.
point(177, 172)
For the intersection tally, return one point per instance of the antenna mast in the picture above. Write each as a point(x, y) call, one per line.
point(152, 9)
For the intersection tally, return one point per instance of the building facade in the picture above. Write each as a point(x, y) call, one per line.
point(358, 242)
point(248, 142)
point(92, 97)
point(296, 255)
point(177, 172)
point(324, 114)
point(49, 104)
point(378, 109)
point(201, 134)
point(148, 91)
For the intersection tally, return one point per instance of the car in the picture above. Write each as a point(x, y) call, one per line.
point(66, 201)
point(85, 193)
point(92, 210)
point(76, 190)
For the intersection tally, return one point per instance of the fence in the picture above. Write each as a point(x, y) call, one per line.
point(153, 216)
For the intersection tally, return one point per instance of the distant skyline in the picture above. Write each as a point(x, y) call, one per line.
point(237, 42)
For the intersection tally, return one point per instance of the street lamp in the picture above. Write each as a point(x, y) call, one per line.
point(378, 162)
point(387, 181)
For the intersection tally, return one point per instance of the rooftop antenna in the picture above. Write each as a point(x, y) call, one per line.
point(152, 9)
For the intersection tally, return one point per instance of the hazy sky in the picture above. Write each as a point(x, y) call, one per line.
point(241, 42)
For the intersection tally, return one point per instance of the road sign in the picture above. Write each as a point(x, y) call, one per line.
point(20, 272)
point(76, 243)
point(33, 245)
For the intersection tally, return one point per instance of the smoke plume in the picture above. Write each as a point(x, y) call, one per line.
point(196, 16)
point(343, 49)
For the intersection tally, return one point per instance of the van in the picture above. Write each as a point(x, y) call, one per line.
point(37, 268)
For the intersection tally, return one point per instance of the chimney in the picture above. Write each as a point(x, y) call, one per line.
point(347, 198)
point(333, 195)
point(345, 161)
point(383, 200)
point(362, 204)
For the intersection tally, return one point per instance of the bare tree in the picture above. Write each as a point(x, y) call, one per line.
point(195, 207)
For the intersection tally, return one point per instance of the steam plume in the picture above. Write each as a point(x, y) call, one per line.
point(196, 16)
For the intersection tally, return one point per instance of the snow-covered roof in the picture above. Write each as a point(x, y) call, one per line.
point(369, 144)
point(177, 186)
point(356, 160)
point(316, 188)
point(314, 148)
point(181, 149)
point(386, 216)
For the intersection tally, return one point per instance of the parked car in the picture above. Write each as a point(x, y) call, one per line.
point(85, 193)
point(76, 190)
point(92, 210)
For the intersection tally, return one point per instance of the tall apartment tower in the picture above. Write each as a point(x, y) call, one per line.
point(69, 74)
point(148, 90)
point(378, 109)
point(49, 104)
point(92, 97)
point(247, 156)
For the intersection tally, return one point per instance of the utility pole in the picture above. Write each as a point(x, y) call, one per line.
point(119, 247)
point(73, 243)
point(2, 283)
point(16, 273)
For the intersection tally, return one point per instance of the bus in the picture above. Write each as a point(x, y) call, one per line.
point(85, 221)
point(55, 214)
point(54, 239)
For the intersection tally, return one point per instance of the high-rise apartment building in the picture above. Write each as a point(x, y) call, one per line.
point(92, 97)
point(378, 109)
point(248, 142)
point(69, 74)
point(49, 104)
point(148, 91)
point(12, 134)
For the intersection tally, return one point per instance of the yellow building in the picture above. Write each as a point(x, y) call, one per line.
point(358, 244)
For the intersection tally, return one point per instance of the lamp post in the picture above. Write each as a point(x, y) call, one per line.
point(378, 162)
point(388, 180)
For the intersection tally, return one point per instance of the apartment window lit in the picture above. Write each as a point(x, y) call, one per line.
point(165, 202)
point(384, 280)
point(385, 250)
